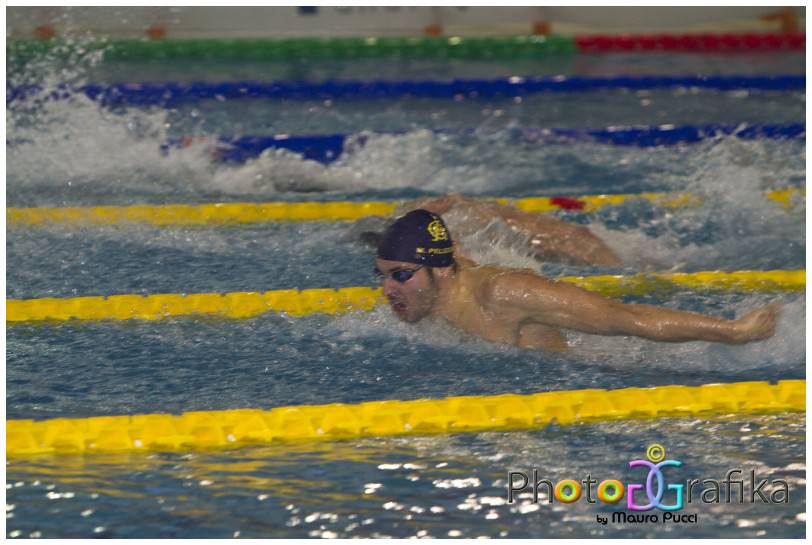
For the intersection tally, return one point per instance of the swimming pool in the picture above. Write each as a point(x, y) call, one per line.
point(74, 153)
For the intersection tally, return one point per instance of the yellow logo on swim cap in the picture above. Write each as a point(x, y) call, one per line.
point(437, 231)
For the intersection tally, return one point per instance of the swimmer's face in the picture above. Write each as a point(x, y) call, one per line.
point(410, 300)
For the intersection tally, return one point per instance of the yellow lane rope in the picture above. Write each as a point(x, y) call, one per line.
point(643, 283)
point(788, 198)
point(211, 429)
point(336, 301)
point(201, 214)
point(233, 213)
point(593, 203)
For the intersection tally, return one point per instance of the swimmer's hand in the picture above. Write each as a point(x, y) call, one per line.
point(758, 325)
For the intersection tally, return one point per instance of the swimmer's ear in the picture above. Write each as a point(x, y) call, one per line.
point(371, 238)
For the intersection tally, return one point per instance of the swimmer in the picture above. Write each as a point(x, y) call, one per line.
point(550, 238)
point(422, 277)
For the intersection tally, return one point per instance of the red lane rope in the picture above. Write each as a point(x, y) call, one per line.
point(691, 42)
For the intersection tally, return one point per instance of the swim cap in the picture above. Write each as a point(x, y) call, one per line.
point(418, 237)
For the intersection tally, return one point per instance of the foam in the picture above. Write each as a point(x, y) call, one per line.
point(382, 323)
point(785, 350)
point(75, 142)
point(79, 149)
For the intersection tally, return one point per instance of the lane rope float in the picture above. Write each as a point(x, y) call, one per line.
point(202, 214)
point(170, 94)
point(705, 42)
point(339, 301)
point(240, 427)
point(486, 48)
point(234, 213)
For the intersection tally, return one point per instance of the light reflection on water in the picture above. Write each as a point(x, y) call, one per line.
point(433, 486)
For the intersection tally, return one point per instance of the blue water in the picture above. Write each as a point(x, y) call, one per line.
point(448, 486)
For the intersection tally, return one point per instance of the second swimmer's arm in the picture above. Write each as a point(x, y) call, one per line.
point(558, 238)
point(558, 304)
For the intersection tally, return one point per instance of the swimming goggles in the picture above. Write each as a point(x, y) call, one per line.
point(400, 275)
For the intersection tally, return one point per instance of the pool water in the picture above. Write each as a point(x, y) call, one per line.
point(72, 152)
point(443, 486)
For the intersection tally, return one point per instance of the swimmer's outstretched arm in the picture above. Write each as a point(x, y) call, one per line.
point(558, 304)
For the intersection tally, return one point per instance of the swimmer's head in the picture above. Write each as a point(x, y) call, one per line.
point(418, 237)
point(408, 254)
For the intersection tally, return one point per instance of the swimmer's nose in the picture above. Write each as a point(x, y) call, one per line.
point(390, 288)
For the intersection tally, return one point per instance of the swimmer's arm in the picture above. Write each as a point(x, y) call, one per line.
point(559, 239)
point(563, 305)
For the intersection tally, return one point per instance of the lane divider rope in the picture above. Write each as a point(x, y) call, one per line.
point(705, 42)
point(170, 94)
point(337, 301)
point(240, 427)
point(487, 48)
point(234, 213)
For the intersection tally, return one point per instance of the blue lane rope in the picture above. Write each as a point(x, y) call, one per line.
point(329, 148)
point(174, 93)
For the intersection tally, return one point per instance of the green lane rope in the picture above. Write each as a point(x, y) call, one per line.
point(316, 49)
point(486, 48)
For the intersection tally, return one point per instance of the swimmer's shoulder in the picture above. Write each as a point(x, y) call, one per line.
point(501, 284)
point(480, 280)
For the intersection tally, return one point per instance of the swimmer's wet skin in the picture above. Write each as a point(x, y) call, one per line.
point(422, 277)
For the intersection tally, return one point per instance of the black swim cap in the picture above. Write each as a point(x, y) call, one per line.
point(418, 237)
